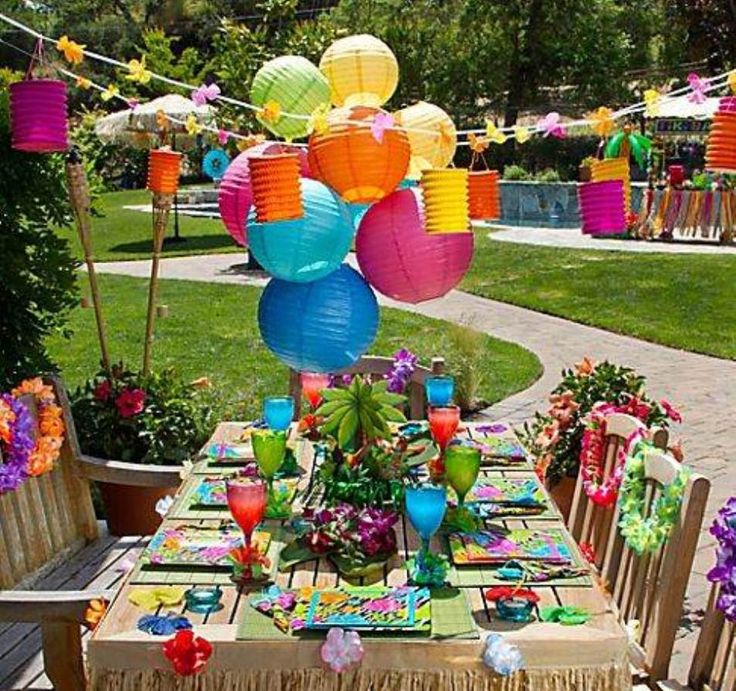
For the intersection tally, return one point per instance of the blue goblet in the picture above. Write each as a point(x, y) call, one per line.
point(439, 390)
point(425, 508)
point(278, 412)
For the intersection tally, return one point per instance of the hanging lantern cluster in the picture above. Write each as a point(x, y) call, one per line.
point(720, 152)
point(602, 207)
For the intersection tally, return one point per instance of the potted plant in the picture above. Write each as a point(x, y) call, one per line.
point(149, 419)
point(585, 170)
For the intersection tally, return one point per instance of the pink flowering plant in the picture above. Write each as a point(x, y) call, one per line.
point(124, 415)
point(557, 437)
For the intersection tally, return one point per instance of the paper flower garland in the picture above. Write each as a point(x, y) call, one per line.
point(137, 71)
point(724, 572)
point(205, 93)
point(381, 122)
point(341, 649)
point(602, 121)
point(652, 98)
point(699, 88)
point(73, 51)
point(187, 653)
point(494, 134)
point(521, 134)
point(110, 92)
point(502, 657)
point(551, 126)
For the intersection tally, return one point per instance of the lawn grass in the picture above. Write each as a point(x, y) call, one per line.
point(686, 301)
point(212, 331)
point(119, 234)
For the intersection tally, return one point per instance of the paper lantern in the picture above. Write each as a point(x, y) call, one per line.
point(720, 152)
point(38, 121)
point(484, 195)
point(236, 194)
point(297, 86)
point(445, 193)
point(163, 171)
point(613, 169)
point(308, 248)
point(432, 147)
point(277, 194)
point(400, 259)
point(602, 207)
point(323, 326)
point(349, 159)
point(361, 70)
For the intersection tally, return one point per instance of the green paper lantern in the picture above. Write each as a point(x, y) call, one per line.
point(297, 86)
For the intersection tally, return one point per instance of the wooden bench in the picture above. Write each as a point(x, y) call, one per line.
point(56, 558)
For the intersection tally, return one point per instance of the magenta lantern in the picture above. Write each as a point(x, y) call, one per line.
point(400, 259)
point(602, 207)
point(236, 195)
point(38, 116)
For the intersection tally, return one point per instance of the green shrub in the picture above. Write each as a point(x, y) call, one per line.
point(514, 172)
point(547, 175)
point(465, 365)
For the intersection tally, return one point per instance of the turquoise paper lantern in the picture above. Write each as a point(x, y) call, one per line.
point(322, 326)
point(308, 248)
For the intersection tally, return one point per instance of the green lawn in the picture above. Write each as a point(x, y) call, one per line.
point(119, 234)
point(212, 331)
point(687, 301)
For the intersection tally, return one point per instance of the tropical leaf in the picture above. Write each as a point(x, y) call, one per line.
point(335, 394)
point(348, 427)
point(331, 406)
point(392, 414)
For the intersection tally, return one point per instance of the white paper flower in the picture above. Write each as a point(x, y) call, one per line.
point(503, 658)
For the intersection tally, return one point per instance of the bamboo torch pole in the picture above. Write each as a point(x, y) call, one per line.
point(80, 202)
point(161, 208)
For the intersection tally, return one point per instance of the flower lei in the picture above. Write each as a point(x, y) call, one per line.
point(50, 425)
point(724, 572)
point(648, 534)
point(603, 492)
point(16, 439)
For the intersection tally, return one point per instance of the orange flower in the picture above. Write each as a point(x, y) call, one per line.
point(51, 426)
point(94, 612)
point(7, 418)
point(676, 451)
point(541, 466)
point(37, 388)
point(585, 367)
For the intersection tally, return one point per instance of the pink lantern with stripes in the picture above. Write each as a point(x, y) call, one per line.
point(602, 207)
point(38, 120)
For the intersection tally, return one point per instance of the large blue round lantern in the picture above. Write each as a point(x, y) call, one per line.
point(307, 248)
point(322, 326)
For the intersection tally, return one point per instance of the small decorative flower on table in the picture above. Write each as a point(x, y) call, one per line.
point(513, 604)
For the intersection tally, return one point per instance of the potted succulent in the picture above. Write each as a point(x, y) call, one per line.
point(152, 419)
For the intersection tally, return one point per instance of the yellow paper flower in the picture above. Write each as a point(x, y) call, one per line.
point(603, 123)
point(271, 111)
point(73, 51)
point(651, 102)
point(192, 126)
point(494, 134)
point(138, 71)
point(162, 120)
point(447, 133)
point(477, 144)
point(522, 134)
point(243, 144)
point(110, 93)
point(83, 83)
point(318, 119)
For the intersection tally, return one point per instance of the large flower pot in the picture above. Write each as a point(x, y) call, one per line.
point(131, 509)
point(562, 494)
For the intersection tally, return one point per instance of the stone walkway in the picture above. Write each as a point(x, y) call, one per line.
point(704, 388)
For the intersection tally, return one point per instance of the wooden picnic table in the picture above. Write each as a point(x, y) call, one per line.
point(557, 657)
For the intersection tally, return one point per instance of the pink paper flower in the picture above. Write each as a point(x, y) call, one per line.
point(223, 136)
point(341, 649)
point(381, 123)
point(551, 126)
point(699, 87)
point(205, 93)
point(130, 402)
point(670, 411)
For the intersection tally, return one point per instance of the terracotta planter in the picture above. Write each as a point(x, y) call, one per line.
point(562, 493)
point(130, 509)
point(585, 174)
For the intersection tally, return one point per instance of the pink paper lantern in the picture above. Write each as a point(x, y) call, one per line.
point(38, 121)
point(400, 259)
point(602, 207)
point(236, 194)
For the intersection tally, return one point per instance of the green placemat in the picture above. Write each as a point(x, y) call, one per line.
point(182, 507)
point(451, 618)
point(142, 575)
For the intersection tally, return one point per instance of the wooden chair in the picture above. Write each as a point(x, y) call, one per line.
point(714, 663)
point(588, 521)
point(56, 558)
point(378, 366)
point(651, 588)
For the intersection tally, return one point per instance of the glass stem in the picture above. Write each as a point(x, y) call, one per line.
point(424, 553)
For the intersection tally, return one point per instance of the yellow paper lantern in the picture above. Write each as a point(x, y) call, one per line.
point(445, 192)
point(434, 146)
point(361, 71)
point(613, 169)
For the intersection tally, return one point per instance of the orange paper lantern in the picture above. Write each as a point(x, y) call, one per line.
point(720, 153)
point(277, 194)
point(445, 193)
point(163, 171)
point(484, 195)
point(351, 160)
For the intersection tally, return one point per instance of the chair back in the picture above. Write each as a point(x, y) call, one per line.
point(48, 516)
point(650, 588)
point(714, 663)
point(378, 366)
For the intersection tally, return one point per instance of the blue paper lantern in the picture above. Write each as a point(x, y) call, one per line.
point(357, 211)
point(308, 248)
point(322, 326)
point(215, 163)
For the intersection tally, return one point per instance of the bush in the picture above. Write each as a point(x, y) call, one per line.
point(37, 287)
point(514, 172)
point(467, 352)
point(547, 175)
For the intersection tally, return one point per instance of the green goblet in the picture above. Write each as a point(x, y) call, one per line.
point(269, 448)
point(462, 465)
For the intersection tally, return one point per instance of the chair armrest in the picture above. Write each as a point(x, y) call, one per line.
point(37, 606)
point(120, 473)
point(671, 685)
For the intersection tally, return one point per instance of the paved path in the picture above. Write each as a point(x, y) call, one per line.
point(703, 387)
point(574, 239)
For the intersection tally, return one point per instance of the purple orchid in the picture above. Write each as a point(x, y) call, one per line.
point(13, 469)
point(405, 362)
point(724, 572)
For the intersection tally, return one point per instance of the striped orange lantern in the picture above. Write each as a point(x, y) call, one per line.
point(445, 192)
point(350, 159)
point(720, 152)
point(277, 194)
point(484, 195)
point(164, 166)
point(614, 169)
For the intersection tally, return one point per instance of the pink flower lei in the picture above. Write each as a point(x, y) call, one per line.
point(603, 492)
